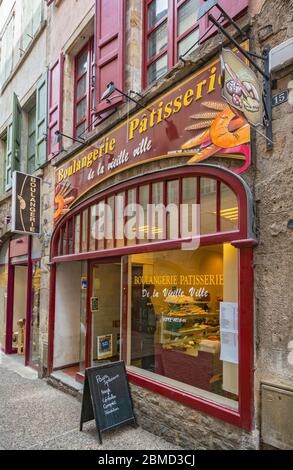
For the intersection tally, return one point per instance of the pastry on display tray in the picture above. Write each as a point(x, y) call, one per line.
point(179, 300)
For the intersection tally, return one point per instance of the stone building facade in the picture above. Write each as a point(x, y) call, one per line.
point(66, 28)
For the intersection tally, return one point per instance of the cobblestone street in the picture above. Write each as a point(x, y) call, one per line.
point(34, 415)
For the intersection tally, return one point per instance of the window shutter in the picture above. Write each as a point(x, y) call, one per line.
point(41, 120)
point(13, 143)
point(110, 47)
point(8, 158)
point(55, 106)
point(233, 8)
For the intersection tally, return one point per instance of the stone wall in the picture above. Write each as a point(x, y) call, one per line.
point(187, 427)
point(274, 207)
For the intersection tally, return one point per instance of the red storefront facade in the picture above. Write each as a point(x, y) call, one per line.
point(143, 296)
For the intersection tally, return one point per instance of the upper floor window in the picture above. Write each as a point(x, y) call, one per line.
point(6, 50)
point(31, 20)
point(84, 93)
point(171, 30)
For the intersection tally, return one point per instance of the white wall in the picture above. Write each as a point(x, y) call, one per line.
point(32, 67)
point(65, 23)
point(67, 314)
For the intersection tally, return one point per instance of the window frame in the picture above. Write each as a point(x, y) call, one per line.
point(88, 119)
point(173, 41)
point(237, 9)
point(9, 23)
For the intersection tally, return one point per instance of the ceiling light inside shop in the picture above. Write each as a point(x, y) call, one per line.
point(146, 229)
point(230, 214)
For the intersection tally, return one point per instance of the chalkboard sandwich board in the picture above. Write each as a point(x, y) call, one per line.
point(106, 397)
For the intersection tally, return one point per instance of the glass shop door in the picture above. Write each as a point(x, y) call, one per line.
point(105, 305)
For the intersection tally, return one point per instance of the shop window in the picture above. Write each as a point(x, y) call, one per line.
point(119, 217)
point(64, 240)
point(131, 218)
point(110, 222)
point(181, 208)
point(84, 230)
point(101, 225)
point(189, 199)
point(208, 206)
point(171, 30)
point(229, 211)
point(70, 236)
point(176, 336)
point(77, 234)
point(93, 227)
point(172, 212)
point(83, 89)
point(143, 215)
point(158, 225)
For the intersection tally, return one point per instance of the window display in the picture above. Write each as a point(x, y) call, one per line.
point(176, 333)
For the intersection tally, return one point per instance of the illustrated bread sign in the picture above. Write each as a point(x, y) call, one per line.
point(241, 88)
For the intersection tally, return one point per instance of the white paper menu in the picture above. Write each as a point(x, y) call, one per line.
point(229, 331)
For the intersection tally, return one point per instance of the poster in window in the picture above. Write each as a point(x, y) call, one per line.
point(105, 346)
point(229, 332)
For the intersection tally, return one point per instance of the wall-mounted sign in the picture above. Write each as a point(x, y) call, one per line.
point(26, 204)
point(191, 121)
point(94, 304)
point(280, 98)
point(241, 89)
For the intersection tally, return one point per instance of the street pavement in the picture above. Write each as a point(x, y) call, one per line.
point(34, 415)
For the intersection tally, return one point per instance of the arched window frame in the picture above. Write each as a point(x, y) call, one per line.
point(229, 179)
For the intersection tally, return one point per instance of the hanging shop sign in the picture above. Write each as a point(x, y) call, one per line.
point(191, 120)
point(26, 204)
point(241, 89)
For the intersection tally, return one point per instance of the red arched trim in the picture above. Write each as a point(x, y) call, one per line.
point(234, 182)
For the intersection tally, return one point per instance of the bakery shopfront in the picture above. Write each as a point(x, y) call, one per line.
point(151, 256)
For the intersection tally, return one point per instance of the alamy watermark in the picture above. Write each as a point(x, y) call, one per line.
point(150, 222)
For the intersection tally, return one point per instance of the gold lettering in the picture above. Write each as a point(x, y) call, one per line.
point(177, 104)
point(188, 97)
point(133, 127)
point(199, 88)
point(212, 80)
